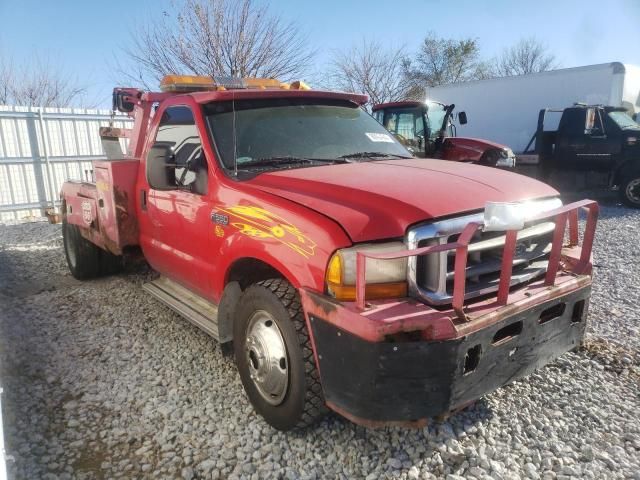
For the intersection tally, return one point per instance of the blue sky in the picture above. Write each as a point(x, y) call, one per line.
point(84, 36)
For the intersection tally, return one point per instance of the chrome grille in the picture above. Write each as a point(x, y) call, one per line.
point(431, 276)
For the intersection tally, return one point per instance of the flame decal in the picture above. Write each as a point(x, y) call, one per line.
point(260, 223)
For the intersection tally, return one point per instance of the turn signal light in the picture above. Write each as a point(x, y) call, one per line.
point(372, 291)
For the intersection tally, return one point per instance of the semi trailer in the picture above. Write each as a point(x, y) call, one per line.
point(504, 110)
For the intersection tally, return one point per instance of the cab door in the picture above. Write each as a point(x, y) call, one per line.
point(407, 125)
point(584, 142)
point(177, 235)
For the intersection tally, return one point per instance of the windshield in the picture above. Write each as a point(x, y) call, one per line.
point(435, 117)
point(407, 124)
point(279, 131)
point(623, 120)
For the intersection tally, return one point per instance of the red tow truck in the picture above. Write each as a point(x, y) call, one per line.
point(427, 130)
point(346, 274)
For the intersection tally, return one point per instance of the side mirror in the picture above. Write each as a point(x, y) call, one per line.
point(161, 167)
point(120, 104)
point(462, 118)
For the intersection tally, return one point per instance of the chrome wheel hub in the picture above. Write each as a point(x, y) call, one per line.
point(267, 357)
point(633, 190)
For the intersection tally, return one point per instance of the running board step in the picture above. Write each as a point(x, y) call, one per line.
point(199, 311)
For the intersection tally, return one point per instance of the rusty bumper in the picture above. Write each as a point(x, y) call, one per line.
point(405, 378)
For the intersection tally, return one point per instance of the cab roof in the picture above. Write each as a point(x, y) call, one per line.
point(404, 104)
point(397, 105)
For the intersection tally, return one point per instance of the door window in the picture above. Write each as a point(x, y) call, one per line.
point(408, 124)
point(436, 114)
point(177, 129)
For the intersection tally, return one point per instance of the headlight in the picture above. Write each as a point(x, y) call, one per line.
point(384, 278)
point(507, 158)
point(506, 153)
point(500, 216)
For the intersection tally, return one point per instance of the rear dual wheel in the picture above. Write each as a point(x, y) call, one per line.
point(85, 259)
point(274, 356)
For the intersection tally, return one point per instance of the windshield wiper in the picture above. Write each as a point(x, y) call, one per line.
point(371, 155)
point(276, 160)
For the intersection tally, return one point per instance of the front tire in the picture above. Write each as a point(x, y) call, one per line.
point(630, 190)
point(274, 356)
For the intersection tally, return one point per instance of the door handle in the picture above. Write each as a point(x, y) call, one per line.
point(143, 199)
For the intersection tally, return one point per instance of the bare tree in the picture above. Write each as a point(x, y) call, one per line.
point(369, 68)
point(217, 38)
point(6, 80)
point(38, 82)
point(527, 56)
point(440, 61)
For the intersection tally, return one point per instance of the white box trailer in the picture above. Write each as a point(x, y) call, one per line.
point(506, 109)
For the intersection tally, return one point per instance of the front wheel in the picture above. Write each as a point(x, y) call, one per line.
point(630, 190)
point(274, 356)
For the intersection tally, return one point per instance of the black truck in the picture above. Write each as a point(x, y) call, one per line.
point(585, 147)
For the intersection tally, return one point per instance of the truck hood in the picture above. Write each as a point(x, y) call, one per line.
point(475, 142)
point(380, 199)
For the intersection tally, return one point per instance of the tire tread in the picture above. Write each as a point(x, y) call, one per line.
point(314, 407)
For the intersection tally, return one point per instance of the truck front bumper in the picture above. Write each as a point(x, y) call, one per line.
point(399, 363)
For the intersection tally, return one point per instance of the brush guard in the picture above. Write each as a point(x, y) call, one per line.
point(561, 215)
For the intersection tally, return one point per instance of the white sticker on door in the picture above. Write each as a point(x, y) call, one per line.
point(379, 137)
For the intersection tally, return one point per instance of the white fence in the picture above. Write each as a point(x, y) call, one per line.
point(40, 148)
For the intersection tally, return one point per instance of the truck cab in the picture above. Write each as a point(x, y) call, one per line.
point(427, 130)
point(343, 273)
point(591, 145)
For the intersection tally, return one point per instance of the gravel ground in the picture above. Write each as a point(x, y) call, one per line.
point(101, 381)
